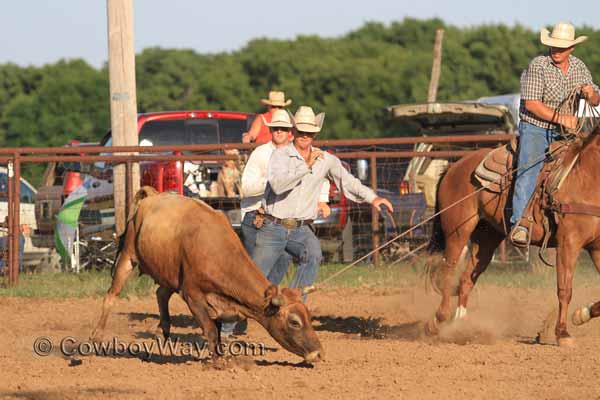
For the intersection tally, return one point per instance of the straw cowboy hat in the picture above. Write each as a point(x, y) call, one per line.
point(562, 36)
point(280, 119)
point(276, 99)
point(306, 121)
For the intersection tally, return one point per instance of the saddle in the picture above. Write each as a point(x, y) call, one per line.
point(495, 171)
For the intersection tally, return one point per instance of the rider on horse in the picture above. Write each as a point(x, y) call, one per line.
point(545, 85)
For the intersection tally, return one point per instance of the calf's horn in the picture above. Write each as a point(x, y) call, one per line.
point(308, 289)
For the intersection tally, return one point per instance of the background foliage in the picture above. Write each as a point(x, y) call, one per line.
point(352, 78)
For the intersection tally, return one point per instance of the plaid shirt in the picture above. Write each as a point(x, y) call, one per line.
point(544, 81)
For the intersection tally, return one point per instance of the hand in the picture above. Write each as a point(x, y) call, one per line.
point(568, 121)
point(246, 137)
point(315, 154)
point(587, 91)
point(323, 209)
point(380, 201)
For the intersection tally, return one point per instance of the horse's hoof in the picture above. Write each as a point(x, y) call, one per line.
point(567, 342)
point(581, 316)
point(432, 327)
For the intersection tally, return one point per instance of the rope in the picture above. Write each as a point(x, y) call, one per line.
point(570, 106)
point(571, 101)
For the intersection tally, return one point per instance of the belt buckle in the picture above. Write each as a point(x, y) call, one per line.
point(289, 223)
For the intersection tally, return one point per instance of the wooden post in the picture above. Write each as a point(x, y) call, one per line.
point(436, 66)
point(10, 223)
point(123, 103)
point(16, 220)
point(374, 212)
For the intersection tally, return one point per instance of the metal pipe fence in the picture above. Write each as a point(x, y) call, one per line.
point(387, 161)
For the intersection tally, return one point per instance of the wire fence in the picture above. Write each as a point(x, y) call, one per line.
point(404, 170)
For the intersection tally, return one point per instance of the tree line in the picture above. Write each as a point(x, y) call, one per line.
point(353, 78)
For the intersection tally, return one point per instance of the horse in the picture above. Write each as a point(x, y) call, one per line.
point(471, 213)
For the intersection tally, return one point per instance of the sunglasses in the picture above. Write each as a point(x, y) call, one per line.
point(301, 133)
point(280, 129)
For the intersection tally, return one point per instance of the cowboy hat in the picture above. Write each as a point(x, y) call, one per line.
point(562, 36)
point(280, 118)
point(306, 121)
point(276, 99)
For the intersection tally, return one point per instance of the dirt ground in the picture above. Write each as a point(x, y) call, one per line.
point(373, 340)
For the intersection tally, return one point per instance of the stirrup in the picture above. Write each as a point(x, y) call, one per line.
point(519, 243)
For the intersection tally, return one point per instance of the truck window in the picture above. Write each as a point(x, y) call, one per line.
point(203, 131)
point(164, 133)
point(27, 195)
point(232, 130)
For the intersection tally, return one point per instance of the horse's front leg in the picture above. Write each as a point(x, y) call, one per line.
point(566, 260)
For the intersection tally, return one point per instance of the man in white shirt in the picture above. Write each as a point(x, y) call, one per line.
point(254, 182)
point(294, 176)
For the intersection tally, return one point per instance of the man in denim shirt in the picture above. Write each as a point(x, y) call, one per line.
point(295, 175)
point(545, 85)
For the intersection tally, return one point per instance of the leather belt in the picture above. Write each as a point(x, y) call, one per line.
point(289, 223)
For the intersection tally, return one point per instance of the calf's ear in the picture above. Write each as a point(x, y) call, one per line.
point(273, 299)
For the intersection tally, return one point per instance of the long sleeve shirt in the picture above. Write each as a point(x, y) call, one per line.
point(254, 179)
point(293, 188)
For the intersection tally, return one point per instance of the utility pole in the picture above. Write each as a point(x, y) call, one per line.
point(436, 66)
point(123, 102)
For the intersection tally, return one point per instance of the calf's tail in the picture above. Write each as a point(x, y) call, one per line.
point(145, 191)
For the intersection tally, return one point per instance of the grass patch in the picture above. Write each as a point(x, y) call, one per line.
point(71, 285)
point(411, 274)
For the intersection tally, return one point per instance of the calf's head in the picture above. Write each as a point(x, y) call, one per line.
point(288, 321)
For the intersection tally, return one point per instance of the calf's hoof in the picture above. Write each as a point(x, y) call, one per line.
point(581, 316)
point(566, 341)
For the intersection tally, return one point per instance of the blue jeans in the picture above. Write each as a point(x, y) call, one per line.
point(273, 240)
point(533, 143)
point(277, 274)
point(249, 233)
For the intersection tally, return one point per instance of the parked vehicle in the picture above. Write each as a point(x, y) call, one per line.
point(487, 115)
point(28, 193)
point(29, 252)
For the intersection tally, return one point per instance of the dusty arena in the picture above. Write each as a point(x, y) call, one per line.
point(373, 340)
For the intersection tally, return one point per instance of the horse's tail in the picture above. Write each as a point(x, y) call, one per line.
point(437, 242)
point(145, 191)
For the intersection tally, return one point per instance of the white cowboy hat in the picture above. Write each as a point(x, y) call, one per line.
point(562, 36)
point(276, 99)
point(306, 121)
point(280, 118)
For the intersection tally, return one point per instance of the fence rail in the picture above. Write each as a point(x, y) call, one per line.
point(352, 149)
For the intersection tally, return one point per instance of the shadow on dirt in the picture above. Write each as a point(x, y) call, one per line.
point(302, 364)
point(179, 320)
point(370, 328)
point(70, 393)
